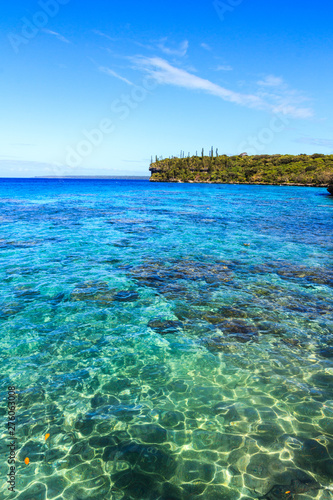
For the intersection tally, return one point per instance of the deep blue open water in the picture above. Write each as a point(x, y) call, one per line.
point(175, 340)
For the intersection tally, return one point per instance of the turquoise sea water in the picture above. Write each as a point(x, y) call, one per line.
point(175, 341)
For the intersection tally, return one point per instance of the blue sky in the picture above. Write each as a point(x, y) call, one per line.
point(98, 87)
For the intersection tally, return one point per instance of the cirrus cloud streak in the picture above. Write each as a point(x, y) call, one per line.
point(283, 101)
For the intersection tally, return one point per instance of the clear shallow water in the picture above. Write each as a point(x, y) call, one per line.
point(176, 341)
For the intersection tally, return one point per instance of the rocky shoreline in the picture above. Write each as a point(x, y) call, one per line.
point(177, 181)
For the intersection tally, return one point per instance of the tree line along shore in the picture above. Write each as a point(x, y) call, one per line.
point(303, 170)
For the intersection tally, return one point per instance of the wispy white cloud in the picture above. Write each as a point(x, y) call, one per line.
point(327, 143)
point(205, 46)
point(104, 35)
point(110, 72)
point(225, 67)
point(145, 45)
point(165, 73)
point(271, 81)
point(285, 100)
point(179, 51)
point(54, 33)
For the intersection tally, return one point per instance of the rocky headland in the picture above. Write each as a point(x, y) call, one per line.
point(300, 170)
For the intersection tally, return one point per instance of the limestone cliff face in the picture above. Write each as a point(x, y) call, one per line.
point(154, 168)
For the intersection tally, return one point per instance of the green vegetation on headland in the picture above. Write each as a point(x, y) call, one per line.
point(304, 170)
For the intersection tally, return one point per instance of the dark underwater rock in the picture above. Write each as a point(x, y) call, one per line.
point(80, 447)
point(10, 309)
point(232, 312)
point(213, 318)
point(156, 374)
point(147, 459)
point(164, 327)
point(57, 299)
point(216, 344)
point(126, 413)
point(92, 291)
point(149, 433)
point(322, 380)
point(227, 410)
point(157, 274)
point(53, 455)
point(56, 484)
point(238, 326)
point(103, 441)
point(310, 455)
point(289, 491)
point(326, 352)
point(126, 296)
point(266, 433)
point(96, 489)
point(98, 400)
point(203, 439)
point(36, 492)
point(171, 492)
point(29, 397)
point(317, 275)
point(117, 385)
point(238, 330)
point(326, 424)
point(84, 425)
point(192, 470)
point(26, 293)
point(310, 451)
point(178, 386)
point(100, 293)
point(136, 485)
point(187, 313)
point(18, 244)
point(34, 450)
point(258, 466)
point(103, 400)
point(69, 462)
point(224, 342)
point(172, 419)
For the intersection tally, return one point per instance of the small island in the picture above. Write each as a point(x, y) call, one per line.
point(299, 170)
